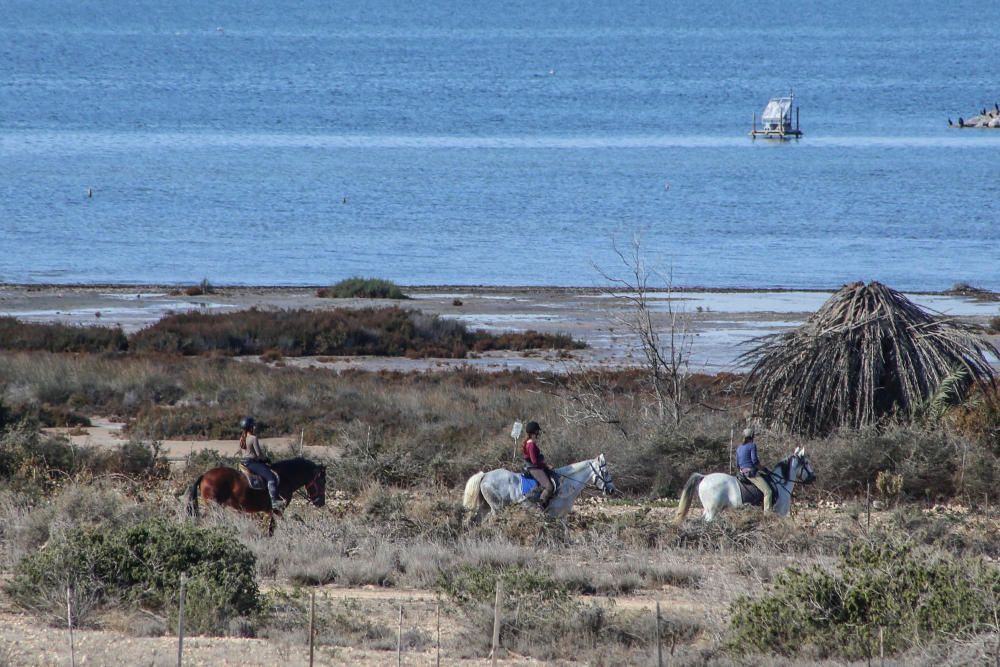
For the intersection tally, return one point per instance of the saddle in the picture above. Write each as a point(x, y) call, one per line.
point(531, 489)
point(256, 482)
point(751, 494)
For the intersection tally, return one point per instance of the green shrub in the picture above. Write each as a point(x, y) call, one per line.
point(18, 335)
point(140, 566)
point(362, 288)
point(913, 598)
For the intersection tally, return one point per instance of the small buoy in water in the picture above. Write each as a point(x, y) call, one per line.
point(345, 201)
point(90, 193)
point(666, 185)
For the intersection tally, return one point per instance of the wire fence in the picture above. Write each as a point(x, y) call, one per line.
point(410, 628)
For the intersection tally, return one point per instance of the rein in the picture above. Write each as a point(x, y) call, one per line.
point(782, 480)
point(593, 469)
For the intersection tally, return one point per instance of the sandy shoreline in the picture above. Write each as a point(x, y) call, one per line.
point(717, 324)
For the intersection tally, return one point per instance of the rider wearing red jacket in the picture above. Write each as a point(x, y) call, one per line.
point(535, 465)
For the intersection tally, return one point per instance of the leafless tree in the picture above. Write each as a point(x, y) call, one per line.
point(587, 397)
point(665, 345)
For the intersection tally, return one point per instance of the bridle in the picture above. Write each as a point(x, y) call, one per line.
point(803, 464)
point(311, 490)
point(598, 474)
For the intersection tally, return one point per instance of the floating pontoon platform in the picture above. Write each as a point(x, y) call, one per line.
point(777, 120)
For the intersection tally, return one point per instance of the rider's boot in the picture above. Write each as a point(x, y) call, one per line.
point(543, 499)
point(277, 504)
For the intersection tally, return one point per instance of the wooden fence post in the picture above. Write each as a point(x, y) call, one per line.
point(180, 623)
point(312, 625)
point(656, 637)
point(69, 621)
point(438, 634)
point(868, 503)
point(399, 638)
point(496, 621)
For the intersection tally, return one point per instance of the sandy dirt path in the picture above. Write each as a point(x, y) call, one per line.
point(106, 433)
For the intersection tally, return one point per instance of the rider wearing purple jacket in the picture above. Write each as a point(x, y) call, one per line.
point(749, 464)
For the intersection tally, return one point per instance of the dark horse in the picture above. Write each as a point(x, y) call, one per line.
point(229, 487)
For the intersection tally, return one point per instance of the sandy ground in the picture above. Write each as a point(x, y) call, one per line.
point(714, 326)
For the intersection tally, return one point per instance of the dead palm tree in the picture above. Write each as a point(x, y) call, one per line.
point(867, 354)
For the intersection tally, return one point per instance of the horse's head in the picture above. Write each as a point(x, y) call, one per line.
point(803, 469)
point(600, 476)
point(316, 487)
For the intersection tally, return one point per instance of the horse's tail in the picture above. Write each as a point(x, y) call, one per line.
point(686, 495)
point(192, 498)
point(472, 499)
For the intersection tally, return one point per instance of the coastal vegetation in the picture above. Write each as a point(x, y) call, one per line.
point(277, 333)
point(897, 530)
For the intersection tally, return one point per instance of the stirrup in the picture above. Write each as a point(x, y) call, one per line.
point(277, 504)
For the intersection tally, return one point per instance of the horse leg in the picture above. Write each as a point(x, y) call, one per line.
point(270, 524)
point(710, 506)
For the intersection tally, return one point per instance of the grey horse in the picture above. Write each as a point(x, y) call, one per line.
point(496, 489)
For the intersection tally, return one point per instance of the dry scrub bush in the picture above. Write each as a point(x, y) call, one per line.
point(340, 331)
point(35, 464)
point(337, 623)
point(26, 527)
point(544, 620)
point(18, 335)
point(936, 464)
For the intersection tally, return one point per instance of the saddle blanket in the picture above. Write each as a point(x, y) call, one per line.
point(530, 486)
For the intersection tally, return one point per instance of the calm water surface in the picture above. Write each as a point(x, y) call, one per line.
point(508, 144)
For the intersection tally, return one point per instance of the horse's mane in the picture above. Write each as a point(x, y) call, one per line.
point(785, 465)
point(293, 463)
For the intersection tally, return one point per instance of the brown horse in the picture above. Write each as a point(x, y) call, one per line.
point(229, 487)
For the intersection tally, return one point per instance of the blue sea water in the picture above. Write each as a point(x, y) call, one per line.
point(504, 143)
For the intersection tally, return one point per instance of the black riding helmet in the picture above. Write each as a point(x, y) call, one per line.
point(531, 428)
point(248, 423)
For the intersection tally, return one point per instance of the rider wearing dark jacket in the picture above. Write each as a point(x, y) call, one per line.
point(255, 460)
point(535, 465)
point(749, 464)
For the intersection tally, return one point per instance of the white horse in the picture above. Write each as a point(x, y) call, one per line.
point(499, 488)
point(718, 491)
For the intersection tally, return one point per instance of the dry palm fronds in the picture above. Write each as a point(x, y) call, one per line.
point(868, 353)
